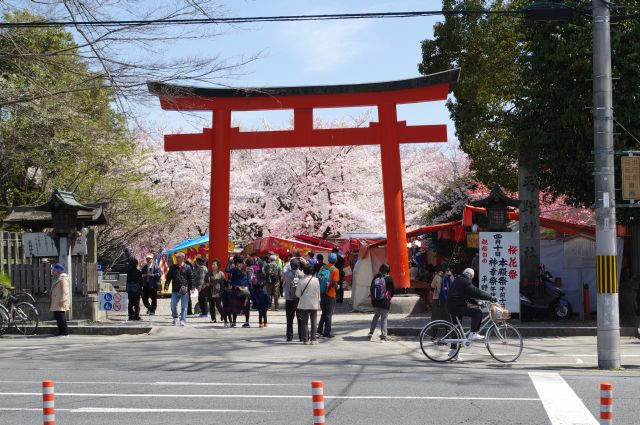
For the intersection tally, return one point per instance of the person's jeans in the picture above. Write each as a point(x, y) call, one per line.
point(308, 333)
point(379, 313)
point(327, 304)
point(150, 299)
point(61, 320)
point(291, 306)
point(184, 302)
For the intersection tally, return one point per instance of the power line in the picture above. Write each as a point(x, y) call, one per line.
point(255, 19)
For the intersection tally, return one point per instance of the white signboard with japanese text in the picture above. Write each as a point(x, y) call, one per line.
point(42, 245)
point(500, 267)
point(112, 301)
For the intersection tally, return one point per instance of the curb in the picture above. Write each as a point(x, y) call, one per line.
point(90, 330)
point(530, 331)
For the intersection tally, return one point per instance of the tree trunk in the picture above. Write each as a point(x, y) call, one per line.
point(529, 216)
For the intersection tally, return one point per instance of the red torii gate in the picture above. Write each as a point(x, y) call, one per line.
point(389, 133)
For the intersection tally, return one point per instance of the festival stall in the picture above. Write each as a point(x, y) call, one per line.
point(282, 247)
point(559, 256)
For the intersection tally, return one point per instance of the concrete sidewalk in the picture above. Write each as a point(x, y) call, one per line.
point(344, 320)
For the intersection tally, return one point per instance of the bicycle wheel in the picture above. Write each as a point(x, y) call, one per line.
point(4, 320)
point(435, 341)
point(25, 317)
point(504, 342)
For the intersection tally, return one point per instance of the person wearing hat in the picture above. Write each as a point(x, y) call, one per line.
point(180, 277)
point(151, 274)
point(60, 297)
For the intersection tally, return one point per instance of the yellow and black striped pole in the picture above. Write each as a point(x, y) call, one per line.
point(607, 274)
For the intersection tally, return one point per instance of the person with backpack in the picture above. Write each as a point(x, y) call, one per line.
point(328, 277)
point(382, 291)
point(308, 293)
point(134, 289)
point(273, 275)
point(440, 284)
point(291, 278)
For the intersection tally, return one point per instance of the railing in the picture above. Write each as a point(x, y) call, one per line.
point(36, 278)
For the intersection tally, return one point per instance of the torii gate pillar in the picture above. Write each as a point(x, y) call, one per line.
point(388, 134)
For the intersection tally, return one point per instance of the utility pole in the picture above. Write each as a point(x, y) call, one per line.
point(606, 259)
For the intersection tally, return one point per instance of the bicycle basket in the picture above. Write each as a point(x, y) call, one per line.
point(499, 313)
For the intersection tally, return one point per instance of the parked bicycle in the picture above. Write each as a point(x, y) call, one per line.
point(441, 340)
point(22, 314)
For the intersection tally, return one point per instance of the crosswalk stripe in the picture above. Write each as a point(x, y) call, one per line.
point(561, 403)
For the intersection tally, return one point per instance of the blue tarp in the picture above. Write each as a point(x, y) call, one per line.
point(188, 243)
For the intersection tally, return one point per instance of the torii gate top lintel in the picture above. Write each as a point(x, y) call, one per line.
point(388, 133)
point(422, 89)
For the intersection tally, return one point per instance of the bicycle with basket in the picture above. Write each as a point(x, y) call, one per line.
point(442, 340)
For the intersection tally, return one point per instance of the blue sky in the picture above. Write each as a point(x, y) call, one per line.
point(319, 52)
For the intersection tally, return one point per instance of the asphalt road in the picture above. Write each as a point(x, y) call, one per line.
point(205, 374)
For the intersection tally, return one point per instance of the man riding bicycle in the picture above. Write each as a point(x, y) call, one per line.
point(461, 292)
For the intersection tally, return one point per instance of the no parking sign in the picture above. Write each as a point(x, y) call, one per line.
point(112, 301)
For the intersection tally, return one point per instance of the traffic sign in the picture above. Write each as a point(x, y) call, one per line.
point(112, 301)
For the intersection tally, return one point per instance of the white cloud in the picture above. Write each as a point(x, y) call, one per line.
point(325, 45)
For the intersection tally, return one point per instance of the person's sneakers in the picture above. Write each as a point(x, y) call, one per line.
point(370, 335)
point(474, 336)
point(307, 343)
point(260, 325)
point(226, 325)
point(175, 321)
point(383, 339)
point(183, 323)
point(455, 357)
point(233, 325)
point(246, 325)
point(314, 342)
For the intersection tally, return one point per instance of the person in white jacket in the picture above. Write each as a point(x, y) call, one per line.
point(308, 293)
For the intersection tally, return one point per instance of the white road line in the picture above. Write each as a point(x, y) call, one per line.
point(167, 383)
point(562, 404)
point(288, 396)
point(133, 410)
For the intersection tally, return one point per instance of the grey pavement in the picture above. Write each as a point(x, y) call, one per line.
point(206, 374)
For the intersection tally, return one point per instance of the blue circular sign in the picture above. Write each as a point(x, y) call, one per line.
point(108, 297)
point(108, 306)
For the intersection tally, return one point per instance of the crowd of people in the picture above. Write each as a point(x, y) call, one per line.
point(310, 284)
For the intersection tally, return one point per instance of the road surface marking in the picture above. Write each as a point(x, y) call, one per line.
point(167, 383)
point(244, 396)
point(562, 404)
point(133, 410)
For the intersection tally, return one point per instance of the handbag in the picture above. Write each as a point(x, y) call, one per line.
point(242, 291)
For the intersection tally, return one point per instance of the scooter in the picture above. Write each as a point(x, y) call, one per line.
point(545, 300)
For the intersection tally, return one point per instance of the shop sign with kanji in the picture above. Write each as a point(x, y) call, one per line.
point(500, 267)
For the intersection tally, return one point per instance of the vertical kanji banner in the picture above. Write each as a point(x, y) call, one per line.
point(500, 267)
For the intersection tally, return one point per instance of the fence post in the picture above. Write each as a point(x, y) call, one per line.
point(48, 403)
point(317, 398)
point(606, 403)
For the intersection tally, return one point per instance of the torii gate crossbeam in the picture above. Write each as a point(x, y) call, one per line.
point(388, 133)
